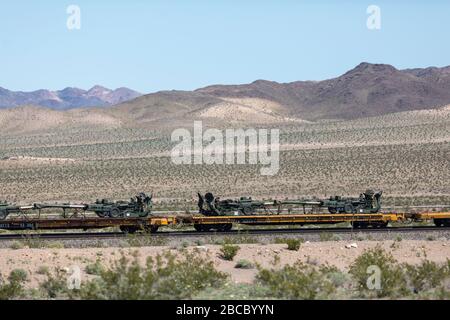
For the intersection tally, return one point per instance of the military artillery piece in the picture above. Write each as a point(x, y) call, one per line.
point(6, 209)
point(139, 206)
point(210, 206)
point(368, 202)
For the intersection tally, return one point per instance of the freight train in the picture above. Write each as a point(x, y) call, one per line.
point(216, 214)
point(140, 206)
point(367, 202)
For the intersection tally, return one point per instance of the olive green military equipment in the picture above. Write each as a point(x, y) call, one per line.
point(368, 202)
point(139, 206)
point(210, 206)
point(6, 209)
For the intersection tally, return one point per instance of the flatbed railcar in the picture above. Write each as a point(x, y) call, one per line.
point(219, 223)
point(130, 225)
point(224, 223)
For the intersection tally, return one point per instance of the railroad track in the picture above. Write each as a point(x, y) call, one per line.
point(192, 233)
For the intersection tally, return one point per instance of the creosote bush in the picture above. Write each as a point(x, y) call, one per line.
point(244, 264)
point(165, 277)
point(392, 280)
point(427, 275)
point(95, 268)
point(299, 281)
point(188, 275)
point(12, 288)
point(229, 251)
point(293, 244)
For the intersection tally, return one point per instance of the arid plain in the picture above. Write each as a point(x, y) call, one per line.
point(85, 154)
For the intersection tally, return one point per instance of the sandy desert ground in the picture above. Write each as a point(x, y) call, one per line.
point(405, 154)
point(338, 253)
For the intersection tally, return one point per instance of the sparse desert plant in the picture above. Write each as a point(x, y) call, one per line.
point(16, 245)
point(55, 245)
point(95, 268)
point(392, 279)
point(43, 270)
point(12, 288)
point(244, 264)
point(229, 251)
point(166, 277)
point(293, 244)
point(426, 275)
point(298, 281)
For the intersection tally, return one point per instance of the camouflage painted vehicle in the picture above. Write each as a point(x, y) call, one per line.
point(138, 207)
point(368, 202)
point(211, 206)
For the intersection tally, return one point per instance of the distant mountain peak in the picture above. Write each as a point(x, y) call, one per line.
point(366, 67)
point(67, 98)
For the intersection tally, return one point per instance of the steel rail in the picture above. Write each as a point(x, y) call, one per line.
point(193, 233)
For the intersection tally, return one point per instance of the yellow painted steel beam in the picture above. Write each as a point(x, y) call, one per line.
point(303, 218)
point(431, 215)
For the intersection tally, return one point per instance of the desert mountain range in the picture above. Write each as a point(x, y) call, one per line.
point(67, 98)
point(367, 90)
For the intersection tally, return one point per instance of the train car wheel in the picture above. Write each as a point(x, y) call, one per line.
point(198, 227)
point(202, 227)
point(359, 224)
point(128, 229)
point(381, 224)
point(101, 214)
point(225, 227)
point(114, 213)
point(439, 222)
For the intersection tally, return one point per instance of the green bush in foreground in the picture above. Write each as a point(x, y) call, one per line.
point(392, 278)
point(162, 278)
point(13, 288)
point(427, 275)
point(229, 251)
point(244, 264)
point(95, 268)
point(188, 275)
point(299, 281)
point(293, 244)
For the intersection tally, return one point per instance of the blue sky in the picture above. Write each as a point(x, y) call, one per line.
point(162, 45)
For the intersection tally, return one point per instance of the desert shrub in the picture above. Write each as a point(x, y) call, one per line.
point(13, 287)
point(16, 245)
point(392, 278)
point(43, 270)
point(229, 251)
point(55, 285)
point(244, 264)
point(55, 245)
point(298, 281)
point(426, 276)
point(165, 277)
point(95, 268)
point(293, 244)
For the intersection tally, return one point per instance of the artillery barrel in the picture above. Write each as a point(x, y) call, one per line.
point(60, 206)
